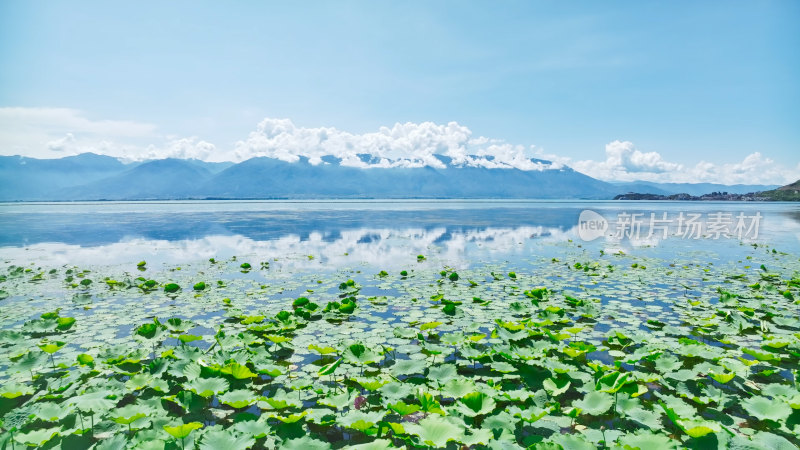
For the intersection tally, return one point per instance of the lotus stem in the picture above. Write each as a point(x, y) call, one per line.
point(80, 415)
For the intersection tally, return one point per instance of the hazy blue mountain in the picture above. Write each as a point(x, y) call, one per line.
point(24, 178)
point(697, 189)
point(641, 187)
point(95, 177)
point(159, 179)
point(273, 178)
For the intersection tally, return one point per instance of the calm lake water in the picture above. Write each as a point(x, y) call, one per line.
point(376, 233)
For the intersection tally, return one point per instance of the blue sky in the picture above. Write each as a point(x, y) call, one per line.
point(688, 81)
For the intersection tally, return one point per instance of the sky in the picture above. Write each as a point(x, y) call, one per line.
point(679, 91)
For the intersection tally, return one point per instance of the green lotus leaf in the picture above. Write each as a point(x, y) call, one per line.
point(766, 409)
point(267, 368)
point(186, 338)
point(138, 381)
point(291, 418)
point(116, 442)
point(358, 353)
point(28, 362)
point(405, 333)
point(595, 403)
point(612, 382)
point(150, 331)
point(178, 325)
point(699, 428)
point(95, 402)
point(14, 390)
point(238, 371)
point(429, 325)
point(458, 387)
point(302, 301)
point(256, 429)
point(668, 363)
point(435, 430)
point(329, 368)
point(129, 414)
point(183, 430)
point(396, 390)
point(322, 350)
point(225, 439)
point(247, 320)
point(206, 387)
point(361, 421)
point(534, 413)
point(371, 384)
point(646, 440)
point(65, 323)
point(304, 443)
point(238, 398)
point(50, 412)
point(51, 346)
point(408, 367)
point(503, 367)
point(779, 390)
point(85, 360)
point(37, 438)
point(771, 441)
point(377, 444)
point(404, 409)
point(442, 374)
point(475, 404)
point(556, 386)
point(722, 377)
point(760, 356)
point(574, 442)
point(338, 401)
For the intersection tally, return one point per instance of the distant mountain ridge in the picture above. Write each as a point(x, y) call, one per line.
point(788, 193)
point(696, 189)
point(96, 177)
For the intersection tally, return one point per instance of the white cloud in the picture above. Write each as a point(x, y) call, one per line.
point(184, 148)
point(59, 132)
point(402, 145)
point(626, 163)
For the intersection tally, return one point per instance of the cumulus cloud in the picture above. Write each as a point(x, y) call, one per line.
point(184, 148)
point(402, 145)
point(624, 162)
point(59, 132)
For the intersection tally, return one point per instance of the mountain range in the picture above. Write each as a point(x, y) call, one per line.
point(90, 176)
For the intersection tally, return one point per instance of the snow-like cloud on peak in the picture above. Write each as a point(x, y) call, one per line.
point(401, 145)
point(183, 148)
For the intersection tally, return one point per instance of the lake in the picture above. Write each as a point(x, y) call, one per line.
point(475, 292)
point(377, 233)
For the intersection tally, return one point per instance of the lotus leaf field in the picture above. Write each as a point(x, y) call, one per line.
point(583, 351)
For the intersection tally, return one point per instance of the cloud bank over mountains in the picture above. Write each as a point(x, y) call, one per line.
point(59, 132)
point(624, 162)
point(403, 145)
